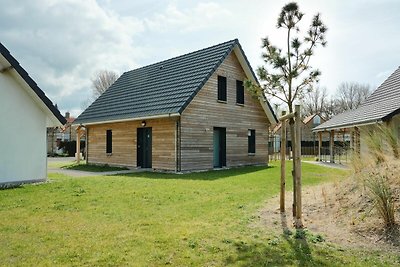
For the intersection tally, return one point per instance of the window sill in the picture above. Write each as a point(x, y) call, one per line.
point(251, 154)
point(108, 154)
point(222, 101)
point(240, 105)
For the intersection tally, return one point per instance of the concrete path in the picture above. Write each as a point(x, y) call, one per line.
point(77, 173)
point(329, 165)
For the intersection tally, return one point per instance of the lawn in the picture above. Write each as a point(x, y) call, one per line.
point(152, 219)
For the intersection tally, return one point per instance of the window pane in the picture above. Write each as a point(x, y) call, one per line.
point(251, 141)
point(109, 141)
point(221, 88)
point(239, 92)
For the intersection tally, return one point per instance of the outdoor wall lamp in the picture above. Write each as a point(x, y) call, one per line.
point(143, 123)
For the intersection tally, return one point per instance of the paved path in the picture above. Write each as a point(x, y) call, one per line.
point(328, 164)
point(77, 173)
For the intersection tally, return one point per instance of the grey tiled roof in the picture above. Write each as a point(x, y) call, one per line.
point(165, 87)
point(381, 105)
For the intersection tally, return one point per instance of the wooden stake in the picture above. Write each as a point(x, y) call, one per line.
point(331, 145)
point(297, 169)
point(319, 146)
point(283, 164)
point(78, 145)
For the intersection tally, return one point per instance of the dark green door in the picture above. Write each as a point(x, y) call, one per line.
point(144, 147)
point(219, 147)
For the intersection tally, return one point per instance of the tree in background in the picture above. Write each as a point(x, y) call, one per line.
point(315, 102)
point(101, 81)
point(350, 95)
point(288, 74)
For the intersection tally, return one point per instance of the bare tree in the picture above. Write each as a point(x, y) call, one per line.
point(350, 95)
point(315, 102)
point(102, 80)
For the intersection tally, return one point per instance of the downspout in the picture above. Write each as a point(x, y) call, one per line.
point(178, 145)
point(87, 145)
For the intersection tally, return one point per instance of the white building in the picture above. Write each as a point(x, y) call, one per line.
point(25, 113)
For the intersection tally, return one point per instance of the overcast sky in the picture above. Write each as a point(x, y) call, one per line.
point(62, 43)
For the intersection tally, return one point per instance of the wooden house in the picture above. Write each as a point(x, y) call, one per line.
point(381, 107)
point(26, 112)
point(187, 113)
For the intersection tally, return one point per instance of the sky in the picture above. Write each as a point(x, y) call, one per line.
point(63, 43)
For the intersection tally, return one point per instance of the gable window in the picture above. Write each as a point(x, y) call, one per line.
point(239, 92)
point(317, 120)
point(222, 88)
point(251, 135)
point(109, 141)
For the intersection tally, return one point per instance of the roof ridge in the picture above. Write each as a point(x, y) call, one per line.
point(233, 41)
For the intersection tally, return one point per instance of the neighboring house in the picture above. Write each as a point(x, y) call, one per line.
point(26, 112)
point(383, 106)
point(57, 135)
point(187, 113)
point(309, 139)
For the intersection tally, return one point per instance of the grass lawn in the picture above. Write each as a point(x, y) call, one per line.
point(152, 219)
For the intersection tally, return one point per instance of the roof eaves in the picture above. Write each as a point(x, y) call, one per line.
point(32, 84)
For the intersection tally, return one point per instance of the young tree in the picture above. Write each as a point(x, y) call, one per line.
point(101, 81)
point(288, 75)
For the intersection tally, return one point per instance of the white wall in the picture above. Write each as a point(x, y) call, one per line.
point(22, 133)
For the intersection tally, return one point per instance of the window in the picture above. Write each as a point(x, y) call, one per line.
point(221, 88)
point(239, 92)
point(251, 134)
point(317, 120)
point(109, 141)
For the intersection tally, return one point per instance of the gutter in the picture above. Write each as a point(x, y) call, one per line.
point(169, 115)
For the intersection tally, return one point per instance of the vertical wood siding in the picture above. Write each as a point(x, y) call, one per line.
point(124, 135)
point(205, 112)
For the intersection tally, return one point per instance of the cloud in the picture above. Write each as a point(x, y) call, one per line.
point(61, 44)
point(201, 16)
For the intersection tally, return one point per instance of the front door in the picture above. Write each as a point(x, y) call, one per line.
point(219, 147)
point(144, 147)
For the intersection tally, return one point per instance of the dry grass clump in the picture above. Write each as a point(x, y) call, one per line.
point(378, 171)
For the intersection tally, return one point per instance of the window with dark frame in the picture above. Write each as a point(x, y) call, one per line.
point(222, 88)
point(109, 141)
point(251, 135)
point(239, 92)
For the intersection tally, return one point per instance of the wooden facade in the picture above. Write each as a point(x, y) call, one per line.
point(185, 142)
point(205, 112)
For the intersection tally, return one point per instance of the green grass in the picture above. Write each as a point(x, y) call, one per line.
point(92, 167)
point(152, 219)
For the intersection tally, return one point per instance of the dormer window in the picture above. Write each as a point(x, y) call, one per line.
point(221, 88)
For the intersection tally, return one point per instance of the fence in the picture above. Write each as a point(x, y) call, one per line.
point(310, 149)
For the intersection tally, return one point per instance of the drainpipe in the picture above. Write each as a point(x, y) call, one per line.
point(178, 145)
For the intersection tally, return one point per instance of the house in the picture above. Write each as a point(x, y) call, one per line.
point(187, 113)
point(383, 106)
point(309, 139)
point(26, 112)
point(60, 140)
